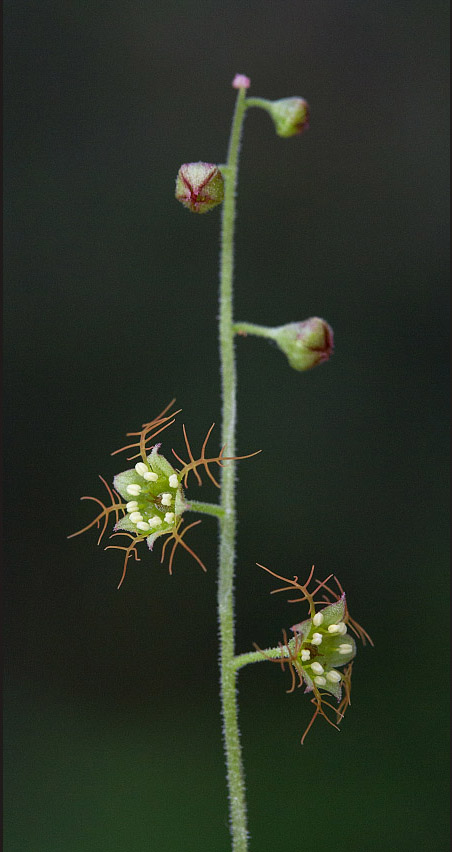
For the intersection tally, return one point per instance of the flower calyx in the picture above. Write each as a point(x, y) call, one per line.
point(320, 647)
point(147, 500)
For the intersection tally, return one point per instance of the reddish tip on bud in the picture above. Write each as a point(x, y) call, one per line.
point(290, 115)
point(199, 186)
point(305, 344)
point(240, 81)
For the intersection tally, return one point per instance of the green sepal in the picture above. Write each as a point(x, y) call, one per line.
point(330, 649)
point(334, 613)
point(122, 480)
point(126, 525)
point(302, 629)
point(333, 688)
point(159, 464)
point(151, 538)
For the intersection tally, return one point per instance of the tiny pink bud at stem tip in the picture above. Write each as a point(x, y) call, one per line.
point(241, 82)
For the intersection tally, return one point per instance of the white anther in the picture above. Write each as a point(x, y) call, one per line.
point(135, 517)
point(132, 506)
point(142, 525)
point(166, 499)
point(316, 639)
point(169, 518)
point(317, 668)
point(337, 628)
point(345, 648)
point(318, 619)
point(320, 681)
point(173, 480)
point(333, 676)
point(134, 490)
point(141, 468)
point(155, 521)
point(150, 476)
point(305, 655)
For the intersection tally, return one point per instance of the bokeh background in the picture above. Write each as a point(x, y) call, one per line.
point(112, 730)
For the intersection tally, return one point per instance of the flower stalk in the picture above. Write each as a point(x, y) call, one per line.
point(147, 501)
point(228, 672)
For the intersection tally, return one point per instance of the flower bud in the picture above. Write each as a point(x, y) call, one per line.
point(290, 115)
point(305, 343)
point(199, 186)
point(241, 81)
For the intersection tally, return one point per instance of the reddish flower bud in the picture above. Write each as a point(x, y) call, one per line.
point(199, 186)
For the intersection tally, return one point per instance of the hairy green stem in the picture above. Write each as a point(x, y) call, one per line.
point(204, 508)
point(263, 103)
point(251, 328)
point(228, 671)
point(259, 656)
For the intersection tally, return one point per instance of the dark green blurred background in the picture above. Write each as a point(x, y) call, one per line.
point(113, 739)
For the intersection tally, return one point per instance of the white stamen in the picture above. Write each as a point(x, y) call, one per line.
point(337, 628)
point(333, 676)
point(173, 480)
point(142, 525)
point(320, 681)
point(155, 521)
point(134, 490)
point(132, 506)
point(141, 468)
point(150, 476)
point(316, 639)
point(166, 499)
point(169, 518)
point(305, 655)
point(345, 648)
point(318, 619)
point(135, 517)
point(317, 668)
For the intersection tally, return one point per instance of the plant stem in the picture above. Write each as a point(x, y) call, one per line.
point(263, 103)
point(228, 672)
point(204, 508)
point(251, 328)
point(259, 657)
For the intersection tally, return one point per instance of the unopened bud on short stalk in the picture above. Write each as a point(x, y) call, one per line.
point(305, 344)
point(199, 186)
point(290, 115)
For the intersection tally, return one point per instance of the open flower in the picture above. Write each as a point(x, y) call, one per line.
point(147, 501)
point(321, 646)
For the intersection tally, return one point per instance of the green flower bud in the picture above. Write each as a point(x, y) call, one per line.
point(290, 115)
point(199, 186)
point(305, 343)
